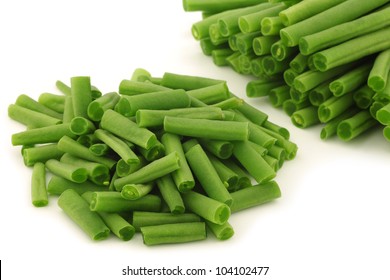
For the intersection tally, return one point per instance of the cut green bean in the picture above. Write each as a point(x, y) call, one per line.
point(245, 62)
point(277, 128)
point(38, 185)
point(129, 87)
point(211, 129)
point(68, 145)
point(259, 88)
point(123, 169)
point(364, 97)
point(155, 152)
point(182, 177)
point(78, 210)
point(215, 35)
point(343, 32)
point(334, 106)
point(145, 219)
point(207, 175)
point(341, 13)
point(305, 117)
point(31, 118)
point(57, 185)
point(99, 149)
point(81, 95)
point(290, 106)
point(262, 44)
point(280, 51)
point(68, 171)
point(378, 76)
point(160, 100)
point(116, 223)
point(330, 128)
point(151, 171)
point(81, 126)
point(219, 148)
point(170, 194)
point(290, 147)
point(298, 96)
point(351, 80)
point(206, 207)
point(52, 101)
point(257, 67)
point(244, 41)
point(95, 92)
point(271, 26)
point(230, 103)
point(221, 232)
point(383, 115)
point(299, 63)
point(210, 94)
point(208, 47)
point(386, 133)
point(217, 6)
point(375, 107)
point(255, 195)
point(113, 202)
point(97, 173)
point(362, 46)
point(244, 180)
point(271, 66)
point(356, 125)
point(173, 233)
point(289, 76)
point(41, 154)
point(320, 94)
point(219, 56)
point(97, 107)
point(253, 162)
point(233, 62)
point(187, 82)
point(68, 114)
point(228, 177)
point(136, 191)
point(64, 88)
point(27, 102)
point(127, 129)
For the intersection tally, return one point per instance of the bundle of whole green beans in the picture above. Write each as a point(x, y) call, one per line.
point(168, 156)
point(324, 62)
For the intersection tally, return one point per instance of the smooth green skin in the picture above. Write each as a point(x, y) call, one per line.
point(221, 149)
point(290, 106)
point(116, 223)
point(31, 118)
point(334, 106)
point(278, 95)
point(173, 233)
point(183, 177)
point(81, 126)
point(277, 128)
point(81, 95)
point(330, 128)
point(230, 103)
point(252, 22)
point(155, 152)
point(187, 82)
point(379, 74)
point(305, 9)
point(78, 210)
point(41, 153)
point(68, 171)
point(254, 196)
point(68, 145)
point(228, 177)
point(113, 202)
point(320, 94)
point(207, 175)
point(221, 232)
point(129, 87)
point(352, 50)
point(52, 101)
point(97, 107)
point(68, 114)
point(203, 128)
point(27, 102)
point(383, 115)
point(206, 207)
point(136, 191)
point(259, 88)
point(356, 125)
point(344, 12)
point(145, 219)
point(271, 26)
point(219, 56)
point(244, 180)
point(151, 171)
point(364, 97)
point(386, 133)
point(57, 185)
point(210, 94)
point(299, 63)
point(117, 145)
point(159, 100)
point(262, 44)
point(305, 117)
point(253, 162)
point(64, 88)
point(290, 147)
point(123, 127)
point(217, 6)
point(343, 32)
point(38, 185)
point(170, 193)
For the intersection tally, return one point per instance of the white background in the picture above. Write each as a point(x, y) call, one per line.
point(331, 223)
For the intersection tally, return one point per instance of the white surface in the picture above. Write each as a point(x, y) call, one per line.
point(331, 223)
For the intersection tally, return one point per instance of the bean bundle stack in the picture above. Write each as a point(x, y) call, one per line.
point(168, 157)
point(323, 62)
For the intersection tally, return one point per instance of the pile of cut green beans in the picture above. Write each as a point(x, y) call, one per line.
point(324, 63)
point(171, 157)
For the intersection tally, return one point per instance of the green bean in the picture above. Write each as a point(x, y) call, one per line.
point(219, 56)
point(151, 171)
point(27, 102)
point(97, 107)
point(123, 169)
point(206, 207)
point(290, 147)
point(379, 73)
point(258, 88)
point(290, 106)
point(289, 76)
point(129, 87)
point(136, 191)
point(208, 47)
point(262, 44)
point(68, 171)
point(123, 127)
point(113, 202)
point(219, 148)
point(145, 219)
point(217, 6)
point(170, 194)
point(255, 195)
point(330, 128)
point(320, 94)
point(282, 52)
point(215, 35)
point(38, 185)
point(64, 88)
point(81, 126)
point(57, 185)
point(271, 66)
point(41, 135)
point(305, 117)
point(277, 128)
point(187, 82)
point(364, 97)
point(299, 63)
point(271, 26)
point(253, 162)
point(31, 118)
point(116, 223)
point(68, 114)
point(221, 232)
point(78, 210)
point(155, 152)
point(81, 95)
point(52, 101)
point(228, 177)
point(244, 180)
point(356, 125)
point(173, 233)
point(334, 106)
point(210, 94)
point(42, 153)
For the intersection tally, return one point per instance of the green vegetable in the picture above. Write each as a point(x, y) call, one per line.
point(354, 126)
point(145, 219)
point(271, 25)
point(378, 76)
point(41, 153)
point(305, 117)
point(170, 194)
point(81, 95)
point(57, 185)
point(221, 232)
point(38, 185)
point(52, 101)
point(27, 102)
point(31, 118)
point(67, 171)
point(334, 106)
point(216, 6)
point(97, 107)
point(262, 45)
point(136, 191)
